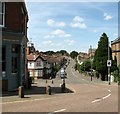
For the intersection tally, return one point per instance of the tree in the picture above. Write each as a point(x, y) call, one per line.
point(63, 52)
point(101, 57)
point(73, 54)
point(86, 65)
point(49, 52)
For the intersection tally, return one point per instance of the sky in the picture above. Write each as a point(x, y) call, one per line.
point(71, 26)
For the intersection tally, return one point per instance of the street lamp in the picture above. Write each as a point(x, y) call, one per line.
point(91, 60)
point(108, 63)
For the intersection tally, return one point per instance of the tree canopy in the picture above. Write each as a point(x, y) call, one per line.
point(73, 54)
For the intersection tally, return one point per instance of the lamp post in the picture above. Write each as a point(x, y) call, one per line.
point(108, 63)
point(91, 60)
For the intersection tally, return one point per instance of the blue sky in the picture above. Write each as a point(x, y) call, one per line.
point(71, 25)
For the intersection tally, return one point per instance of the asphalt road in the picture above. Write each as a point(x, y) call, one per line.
point(87, 96)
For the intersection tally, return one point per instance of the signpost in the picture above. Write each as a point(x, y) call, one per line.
point(109, 63)
point(63, 76)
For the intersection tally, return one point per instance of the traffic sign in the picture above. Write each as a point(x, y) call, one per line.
point(109, 62)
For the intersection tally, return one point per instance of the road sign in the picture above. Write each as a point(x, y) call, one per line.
point(109, 62)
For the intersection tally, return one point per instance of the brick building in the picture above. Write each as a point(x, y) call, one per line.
point(115, 45)
point(13, 23)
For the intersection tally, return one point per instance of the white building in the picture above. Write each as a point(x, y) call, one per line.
point(36, 65)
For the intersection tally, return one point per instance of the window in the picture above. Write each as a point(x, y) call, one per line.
point(30, 64)
point(38, 63)
point(2, 13)
point(14, 48)
point(14, 64)
point(3, 61)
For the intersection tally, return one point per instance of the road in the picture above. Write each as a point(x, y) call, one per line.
point(87, 96)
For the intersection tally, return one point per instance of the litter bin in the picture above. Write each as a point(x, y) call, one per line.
point(21, 92)
point(48, 90)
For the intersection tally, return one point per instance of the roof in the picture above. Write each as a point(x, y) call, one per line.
point(33, 57)
point(116, 40)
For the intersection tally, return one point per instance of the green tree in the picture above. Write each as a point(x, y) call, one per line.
point(86, 65)
point(101, 57)
point(73, 54)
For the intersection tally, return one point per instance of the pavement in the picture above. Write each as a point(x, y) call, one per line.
point(37, 91)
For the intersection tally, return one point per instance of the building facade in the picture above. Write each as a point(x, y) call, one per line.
point(36, 65)
point(115, 45)
point(14, 18)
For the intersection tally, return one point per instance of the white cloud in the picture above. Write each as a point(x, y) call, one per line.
point(48, 36)
point(60, 33)
point(47, 42)
point(78, 22)
point(79, 25)
point(52, 23)
point(78, 19)
point(107, 17)
point(70, 42)
point(61, 24)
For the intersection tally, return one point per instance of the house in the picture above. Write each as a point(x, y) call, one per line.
point(115, 45)
point(82, 57)
point(13, 23)
point(36, 65)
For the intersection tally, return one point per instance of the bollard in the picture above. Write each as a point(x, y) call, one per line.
point(63, 88)
point(21, 92)
point(48, 90)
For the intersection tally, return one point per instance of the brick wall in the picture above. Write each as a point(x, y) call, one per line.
point(15, 17)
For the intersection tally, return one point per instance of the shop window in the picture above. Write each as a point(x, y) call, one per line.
point(2, 13)
point(3, 61)
point(14, 65)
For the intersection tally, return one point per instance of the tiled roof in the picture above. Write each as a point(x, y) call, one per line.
point(116, 40)
point(32, 57)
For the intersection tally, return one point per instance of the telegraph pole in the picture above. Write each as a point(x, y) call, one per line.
point(91, 60)
point(109, 64)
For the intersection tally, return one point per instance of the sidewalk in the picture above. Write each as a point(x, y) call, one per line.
point(37, 91)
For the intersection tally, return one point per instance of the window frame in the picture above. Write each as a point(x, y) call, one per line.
point(3, 14)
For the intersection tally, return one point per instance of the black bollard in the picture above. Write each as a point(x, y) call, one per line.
point(21, 92)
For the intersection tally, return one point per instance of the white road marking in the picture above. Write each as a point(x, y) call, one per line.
point(96, 100)
point(107, 96)
point(109, 90)
point(60, 110)
point(102, 98)
point(74, 74)
point(26, 100)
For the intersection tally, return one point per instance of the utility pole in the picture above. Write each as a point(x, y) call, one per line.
point(91, 60)
point(109, 64)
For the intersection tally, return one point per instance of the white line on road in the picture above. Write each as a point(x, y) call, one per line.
point(109, 90)
point(27, 100)
point(60, 110)
point(96, 100)
point(101, 98)
point(107, 96)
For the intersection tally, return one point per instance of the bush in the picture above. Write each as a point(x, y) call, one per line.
point(116, 75)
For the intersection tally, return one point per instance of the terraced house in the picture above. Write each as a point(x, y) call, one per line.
point(13, 23)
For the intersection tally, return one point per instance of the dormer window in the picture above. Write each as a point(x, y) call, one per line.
point(2, 14)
